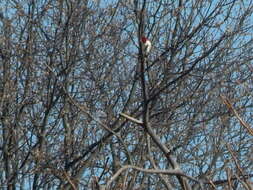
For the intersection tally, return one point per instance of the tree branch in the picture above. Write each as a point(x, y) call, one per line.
point(177, 172)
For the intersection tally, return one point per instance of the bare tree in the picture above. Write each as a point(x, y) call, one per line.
point(83, 107)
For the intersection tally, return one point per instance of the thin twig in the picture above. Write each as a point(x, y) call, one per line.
point(244, 184)
point(229, 178)
point(230, 106)
point(235, 159)
point(245, 181)
point(131, 118)
point(69, 180)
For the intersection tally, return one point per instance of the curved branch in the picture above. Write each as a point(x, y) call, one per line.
point(177, 172)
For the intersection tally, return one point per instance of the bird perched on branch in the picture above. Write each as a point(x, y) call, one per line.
point(146, 44)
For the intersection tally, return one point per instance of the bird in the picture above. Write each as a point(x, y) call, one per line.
point(146, 44)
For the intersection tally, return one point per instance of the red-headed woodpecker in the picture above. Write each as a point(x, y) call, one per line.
point(146, 44)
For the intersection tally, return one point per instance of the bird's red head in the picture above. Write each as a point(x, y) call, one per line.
point(144, 39)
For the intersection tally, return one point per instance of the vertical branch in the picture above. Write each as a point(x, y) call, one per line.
point(142, 62)
point(145, 110)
